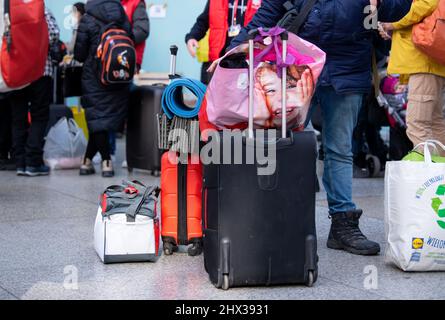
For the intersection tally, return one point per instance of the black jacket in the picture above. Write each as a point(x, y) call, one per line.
point(106, 106)
point(141, 23)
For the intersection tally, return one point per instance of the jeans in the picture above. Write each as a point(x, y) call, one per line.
point(340, 114)
point(28, 142)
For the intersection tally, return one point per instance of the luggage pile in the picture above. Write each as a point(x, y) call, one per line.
point(181, 168)
point(254, 228)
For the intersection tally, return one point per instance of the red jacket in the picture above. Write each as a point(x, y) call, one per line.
point(130, 7)
point(219, 24)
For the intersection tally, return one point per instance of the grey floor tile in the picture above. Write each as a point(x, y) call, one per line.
point(5, 295)
point(46, 232)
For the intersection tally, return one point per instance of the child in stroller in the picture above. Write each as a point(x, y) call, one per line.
point(387, 108)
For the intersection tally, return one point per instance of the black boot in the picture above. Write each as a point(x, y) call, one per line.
point(346, 235)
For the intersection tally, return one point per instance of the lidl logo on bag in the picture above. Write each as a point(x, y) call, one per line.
point(418, 243)
point(436, 204)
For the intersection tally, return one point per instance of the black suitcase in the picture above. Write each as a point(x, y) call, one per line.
point(57, 109)
point(142, 134)
point(260, 230)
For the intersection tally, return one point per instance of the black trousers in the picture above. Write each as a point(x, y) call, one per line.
point(27, 139)
point(99, 141)
point(5, 128)
point(206, 76)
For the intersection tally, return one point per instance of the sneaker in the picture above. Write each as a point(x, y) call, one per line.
point(107, 169)
point(21, 171)
point(37, 171)
point(87, 168)
point(345, 234)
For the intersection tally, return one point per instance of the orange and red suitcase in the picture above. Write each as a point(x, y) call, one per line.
point(181, 204)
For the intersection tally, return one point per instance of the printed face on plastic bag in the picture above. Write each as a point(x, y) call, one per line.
point(268, 87)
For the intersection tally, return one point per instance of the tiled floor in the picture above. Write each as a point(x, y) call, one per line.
point(46, 243)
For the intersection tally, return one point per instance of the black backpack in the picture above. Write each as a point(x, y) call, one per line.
point(116, 54)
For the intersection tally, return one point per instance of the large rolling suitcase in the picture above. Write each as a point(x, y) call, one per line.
point(260, 229)
point(181, 186)
point(142, 126)
point(142, 134)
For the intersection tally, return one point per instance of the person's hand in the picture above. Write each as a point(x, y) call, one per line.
point(305, 88)
point(388, 27)
point(192, 45)
point(385, 30)
point(213, 66)
point(385, 35)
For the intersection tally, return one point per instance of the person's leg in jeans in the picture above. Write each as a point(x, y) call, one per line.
point(340, 114)
point(19, 101)
point(40, 99)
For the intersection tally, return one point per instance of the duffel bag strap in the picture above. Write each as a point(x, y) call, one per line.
point(134, 209)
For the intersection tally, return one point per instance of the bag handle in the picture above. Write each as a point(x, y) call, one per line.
point(134, 209)
point(275, 33)
point(253, 34)
point(426, 150)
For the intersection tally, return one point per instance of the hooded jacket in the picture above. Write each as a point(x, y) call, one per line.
point(105, 106)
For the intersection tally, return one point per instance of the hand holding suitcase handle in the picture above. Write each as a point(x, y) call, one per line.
point(253, 34)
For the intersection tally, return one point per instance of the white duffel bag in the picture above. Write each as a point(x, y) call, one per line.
point(415, 212)
point(127, 224)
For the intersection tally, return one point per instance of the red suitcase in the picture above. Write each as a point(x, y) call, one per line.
point(181, 203)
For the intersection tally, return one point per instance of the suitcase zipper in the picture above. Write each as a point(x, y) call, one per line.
point(182, 204)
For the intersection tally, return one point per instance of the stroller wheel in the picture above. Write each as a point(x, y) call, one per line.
point(374, 166)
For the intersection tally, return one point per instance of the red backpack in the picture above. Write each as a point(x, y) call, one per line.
point(117, 57)
point(25, 42)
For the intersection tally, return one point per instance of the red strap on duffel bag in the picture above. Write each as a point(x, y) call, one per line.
point(25, 42)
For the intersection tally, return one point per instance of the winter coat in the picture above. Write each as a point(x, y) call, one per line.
point(337, 27)
point(106, 106)
point(405, 58)
point(136, 11)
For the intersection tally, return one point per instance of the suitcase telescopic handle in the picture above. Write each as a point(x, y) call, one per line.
point(284, 39)
point(173, 55)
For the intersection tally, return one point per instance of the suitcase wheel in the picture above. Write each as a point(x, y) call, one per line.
point(195, 249)
point(311, 277)
point(225, 284)
point(169, 248)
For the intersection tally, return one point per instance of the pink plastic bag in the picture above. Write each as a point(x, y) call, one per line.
point(226, 104)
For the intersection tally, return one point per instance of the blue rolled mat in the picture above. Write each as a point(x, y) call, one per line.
point(172, 102)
